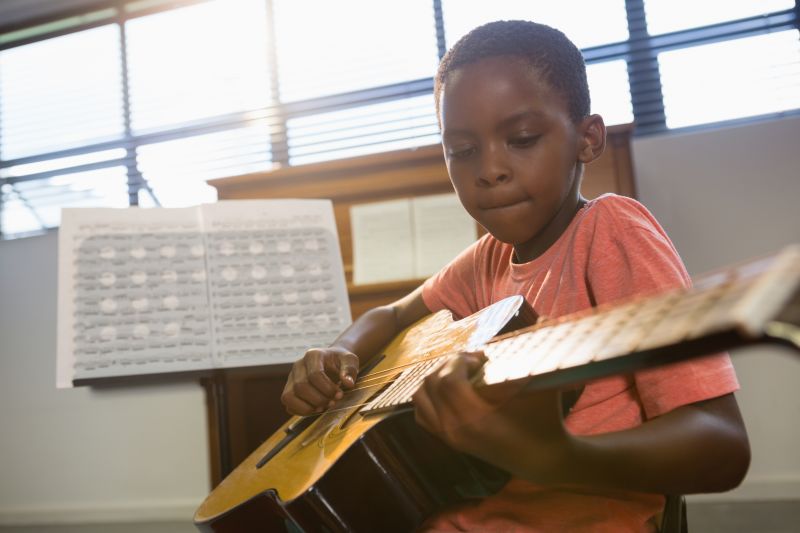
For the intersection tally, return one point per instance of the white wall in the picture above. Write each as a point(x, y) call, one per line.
point(724, 196)
point(141, 452)
point(122, 453)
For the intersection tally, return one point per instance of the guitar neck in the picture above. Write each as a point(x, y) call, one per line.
point(754, 302)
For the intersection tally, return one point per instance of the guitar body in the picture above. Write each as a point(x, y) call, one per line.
point(390, 479)
point(347, 472)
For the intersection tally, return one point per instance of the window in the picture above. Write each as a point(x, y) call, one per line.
point(197, 62)
point(28, 206)
point(666, 16)
point(363, 130)
point(610, 91)
point(176, 171)
point(600, 21)
point(143, 101)
point(371, 44)
point(49, 87)
point(731, 79)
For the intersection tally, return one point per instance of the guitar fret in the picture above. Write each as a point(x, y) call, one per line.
point(601, 328)
point(576, 337)
point(719, 318)
point(634, 332)
point(405, 385)
point(406, 390)
point(395, 390)
point(555, 349)
point(536, 348)
point(677, 322)
point(388, 395)
point(506, 366)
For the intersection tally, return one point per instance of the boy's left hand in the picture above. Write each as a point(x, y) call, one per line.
point(490, 421)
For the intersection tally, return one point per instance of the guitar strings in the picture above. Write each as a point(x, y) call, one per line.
point(377, 384)
point(391, 370)
point(375, 376)
point(736, 279)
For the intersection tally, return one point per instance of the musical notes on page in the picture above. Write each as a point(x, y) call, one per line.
point(409, 238)
point(221, 285)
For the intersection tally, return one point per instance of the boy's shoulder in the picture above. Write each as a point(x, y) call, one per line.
point(611, 203)
point(620, 212)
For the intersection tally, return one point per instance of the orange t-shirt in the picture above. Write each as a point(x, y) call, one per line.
point(613, 249)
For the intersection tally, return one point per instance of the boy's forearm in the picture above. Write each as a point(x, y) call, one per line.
point(697, 448)
point(370, 332)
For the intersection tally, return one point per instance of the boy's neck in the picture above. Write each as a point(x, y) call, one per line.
point(530, 250)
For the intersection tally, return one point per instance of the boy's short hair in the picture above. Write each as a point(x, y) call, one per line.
point(546, 49)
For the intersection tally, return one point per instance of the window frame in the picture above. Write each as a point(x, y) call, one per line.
point(640, 51)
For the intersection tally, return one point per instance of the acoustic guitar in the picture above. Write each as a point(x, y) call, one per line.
point(364, 465)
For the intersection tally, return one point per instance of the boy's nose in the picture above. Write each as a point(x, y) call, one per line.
point(490, 180)
point(494, 168)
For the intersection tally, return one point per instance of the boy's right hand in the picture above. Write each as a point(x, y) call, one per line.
point(317, 379)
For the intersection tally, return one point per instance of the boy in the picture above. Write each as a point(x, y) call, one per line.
point(513, 107)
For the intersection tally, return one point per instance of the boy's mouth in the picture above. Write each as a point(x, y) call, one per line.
point(503, 203)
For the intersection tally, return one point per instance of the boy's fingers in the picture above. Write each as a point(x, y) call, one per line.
point(424, 411)
point(310, 394)
point(348, 370)
point(297, 406)
point(322, 372)
point(473, 360)
point(320, 380)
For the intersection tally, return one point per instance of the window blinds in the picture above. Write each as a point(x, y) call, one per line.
point(143, 101)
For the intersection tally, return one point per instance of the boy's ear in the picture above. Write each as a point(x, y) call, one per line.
point(592, 138)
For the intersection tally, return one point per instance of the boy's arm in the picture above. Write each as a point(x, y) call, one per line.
point(699, 447)
point(316, 380)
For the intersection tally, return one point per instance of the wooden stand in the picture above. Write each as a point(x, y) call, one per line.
point(244, 404)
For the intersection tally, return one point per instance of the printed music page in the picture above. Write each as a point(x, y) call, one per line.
point(276, 279)
point(442, 229)
point(383, 246)
point(236, 283)
point(409, 238)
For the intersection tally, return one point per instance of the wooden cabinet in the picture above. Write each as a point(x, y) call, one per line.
point(244, 406)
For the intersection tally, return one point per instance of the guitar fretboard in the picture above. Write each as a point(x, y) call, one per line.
point(724, 309)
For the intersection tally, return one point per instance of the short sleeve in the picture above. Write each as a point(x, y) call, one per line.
point(630, 256)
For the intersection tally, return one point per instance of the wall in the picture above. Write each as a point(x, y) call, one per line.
point(724, 196)
point(119, 453)
point(140, 452)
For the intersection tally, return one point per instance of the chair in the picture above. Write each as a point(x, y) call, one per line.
point(673, 517)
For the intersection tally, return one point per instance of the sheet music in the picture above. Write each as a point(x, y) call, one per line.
point(221, 285)
point(408, 238)
point(275, 278)
point(442, 229)
point(383, 242)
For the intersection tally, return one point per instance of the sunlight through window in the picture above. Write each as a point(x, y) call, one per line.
point(665, 16)
point(731, 79)
point(599, 21)
point(352, 44)
point(60, 93)
point(196, 62)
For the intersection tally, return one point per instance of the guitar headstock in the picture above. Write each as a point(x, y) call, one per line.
point(770, 308)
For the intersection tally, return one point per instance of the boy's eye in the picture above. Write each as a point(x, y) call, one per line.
point(460, 152)
point(523, 141)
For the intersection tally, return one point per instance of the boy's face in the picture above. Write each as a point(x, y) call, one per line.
point(510, 146)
